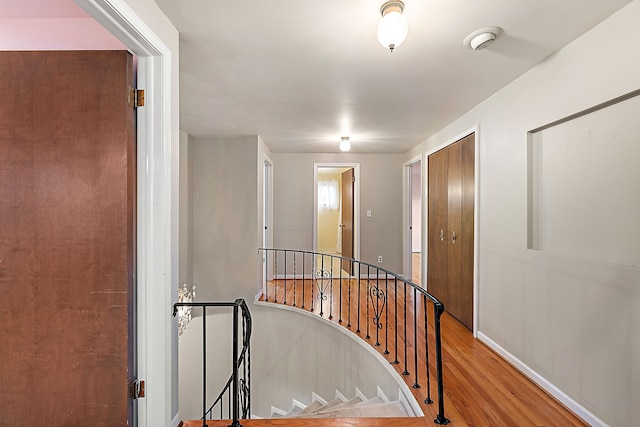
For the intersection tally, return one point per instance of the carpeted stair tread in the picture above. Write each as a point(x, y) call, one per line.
point(377, 410)
point(372, 401)
point(342, 405)
point(295, 410)
point(330, 404)
point(313, 406)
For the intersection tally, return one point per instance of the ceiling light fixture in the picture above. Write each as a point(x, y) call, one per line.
point(393, 28)
point(345, 145)
point(481, 38)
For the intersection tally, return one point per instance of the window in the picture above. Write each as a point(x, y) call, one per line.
point(328, 195)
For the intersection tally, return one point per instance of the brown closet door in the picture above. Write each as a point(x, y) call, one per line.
point(454, 191)
point(451, 206)
point(437, 242)
point(67, 191)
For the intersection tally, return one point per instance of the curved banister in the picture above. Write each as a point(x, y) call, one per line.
point(283, 266)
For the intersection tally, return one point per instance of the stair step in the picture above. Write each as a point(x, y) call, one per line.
point(348, 404)
point(313, 406)
point(372, 401)
point(377, 410)
point(330, 404)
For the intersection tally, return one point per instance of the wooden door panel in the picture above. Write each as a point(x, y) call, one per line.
point(454, 192)
point(67, 182)
point(437, 219)
point(347, 219)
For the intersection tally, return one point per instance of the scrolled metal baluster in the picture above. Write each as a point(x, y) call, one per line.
point(275, 277)
point(285, 278)
point(395, 303)
point(415, 337)
point(340, 314)
point(359, 299)
point(331, 291)
point(386, 320)
point(294, 279)
point(406, 371)
point(303, 281)
point(426, 343)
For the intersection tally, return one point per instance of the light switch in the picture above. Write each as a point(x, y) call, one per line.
point(368, 213)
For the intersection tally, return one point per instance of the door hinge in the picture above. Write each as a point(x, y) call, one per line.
point(353, 179)
point(136, 389)
point(136, 97)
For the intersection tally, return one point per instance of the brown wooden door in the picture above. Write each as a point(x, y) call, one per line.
point(347, 219)
point(437, 252)
point(67, 192)
point(451, 228)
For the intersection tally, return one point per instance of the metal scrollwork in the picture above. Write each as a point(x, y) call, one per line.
point(378, 300)
point(244, 398)
point(323, 280)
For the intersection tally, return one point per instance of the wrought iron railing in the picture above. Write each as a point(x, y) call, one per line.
point(376, 304)
point(236, 392)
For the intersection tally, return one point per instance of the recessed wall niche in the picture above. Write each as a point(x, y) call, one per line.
point(584, 184)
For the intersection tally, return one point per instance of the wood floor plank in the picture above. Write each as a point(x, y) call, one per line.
point(481, 388)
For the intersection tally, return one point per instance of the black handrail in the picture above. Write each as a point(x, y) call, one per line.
point(239, 380)
point(374, 281)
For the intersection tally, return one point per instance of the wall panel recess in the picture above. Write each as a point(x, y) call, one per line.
point(584, 184)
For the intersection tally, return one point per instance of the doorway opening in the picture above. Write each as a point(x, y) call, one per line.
point(336, 210)
point(413, 234)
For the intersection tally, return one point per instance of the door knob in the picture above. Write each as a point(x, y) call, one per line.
point(454, 237)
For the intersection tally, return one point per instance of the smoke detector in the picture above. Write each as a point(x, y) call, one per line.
point(482, 38)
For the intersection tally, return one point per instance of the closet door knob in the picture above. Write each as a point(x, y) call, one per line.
point(454, 237)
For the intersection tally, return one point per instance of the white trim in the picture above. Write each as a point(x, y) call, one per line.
point(476, 213)
point(384, 362)
point(157, 221)
point(545, 384)
point(356, 203)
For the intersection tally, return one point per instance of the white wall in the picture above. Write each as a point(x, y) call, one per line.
point(226, 217)
point(186, 208)
point(380, 192)
point(574, 322)
point(294, 354)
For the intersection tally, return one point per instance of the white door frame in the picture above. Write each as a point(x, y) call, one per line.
point(267, 220)
point(356, 203)
point(157, 209)
point(408, 219)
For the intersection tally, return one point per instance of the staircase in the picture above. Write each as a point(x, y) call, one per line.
point(340, 406)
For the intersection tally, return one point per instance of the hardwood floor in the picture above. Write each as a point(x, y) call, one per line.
point(480, 388)
point(415, 267)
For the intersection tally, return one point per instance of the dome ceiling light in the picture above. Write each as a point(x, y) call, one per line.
point(393, 28)
point(482, 38)
point(345, 145)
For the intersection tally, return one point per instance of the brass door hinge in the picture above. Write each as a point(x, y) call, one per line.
point(136, 389)
point(136, 97)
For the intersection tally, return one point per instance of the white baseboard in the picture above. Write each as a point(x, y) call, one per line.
point(545, 384)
